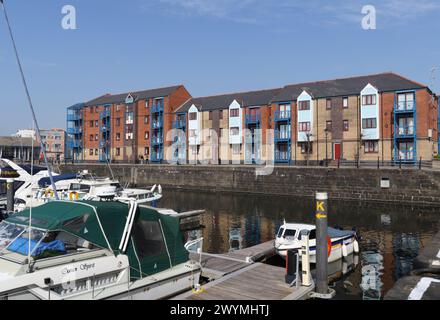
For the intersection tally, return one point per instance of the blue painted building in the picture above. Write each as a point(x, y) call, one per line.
point(74, 133)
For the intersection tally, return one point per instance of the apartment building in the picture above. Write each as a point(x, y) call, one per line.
point(379, 117)
point(382, 117)
point(54, 142)
point(223, 128)
point(130, 127)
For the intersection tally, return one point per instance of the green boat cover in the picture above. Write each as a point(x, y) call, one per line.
point(156, 242)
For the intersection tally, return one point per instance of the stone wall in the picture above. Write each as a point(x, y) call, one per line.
point(407, 186)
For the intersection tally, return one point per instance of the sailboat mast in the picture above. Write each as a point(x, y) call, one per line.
point(43, 147)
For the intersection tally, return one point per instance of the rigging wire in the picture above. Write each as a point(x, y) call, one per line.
point(43, 148)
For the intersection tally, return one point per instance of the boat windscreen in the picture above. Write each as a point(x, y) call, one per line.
point(290, 233)
point(280, 233)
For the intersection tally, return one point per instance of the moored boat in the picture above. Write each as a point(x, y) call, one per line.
point(341, 243)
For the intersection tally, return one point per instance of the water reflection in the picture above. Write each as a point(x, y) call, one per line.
point(392, 236)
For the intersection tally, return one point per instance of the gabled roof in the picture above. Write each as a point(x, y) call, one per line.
point(246, 99)
point(348, 86)
point(139, 95)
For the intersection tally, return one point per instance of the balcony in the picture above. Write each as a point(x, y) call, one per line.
point(156, 156)
point(74, 117)
point(405, 107)
point(253, 118)
point(282, 136)
point(74, 131)
point(406, 156)
point(180, 124)
point(105, 129)
point(157, 108)
point(157, 124)
point(155, 141)
point(105, 114)
point(74, 144)
point(283, 116)
point(405, 132)
point(104, 144)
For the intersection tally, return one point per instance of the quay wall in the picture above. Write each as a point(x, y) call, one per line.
point(407, 186)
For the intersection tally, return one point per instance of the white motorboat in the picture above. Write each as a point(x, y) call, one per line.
point(86, 186)
point(340, 243)
point(66, 250)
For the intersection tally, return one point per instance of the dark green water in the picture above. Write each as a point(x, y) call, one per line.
point(392, 236)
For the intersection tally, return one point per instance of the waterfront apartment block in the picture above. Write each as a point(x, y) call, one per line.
point(128, 127)
point(54, 142)
point(381, 117)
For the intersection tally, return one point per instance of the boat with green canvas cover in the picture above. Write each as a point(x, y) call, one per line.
point(94, 250)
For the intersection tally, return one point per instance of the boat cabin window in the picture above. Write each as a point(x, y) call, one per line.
point(280, 233)
point(118, 186)
point(289, 233)
point(79, 187)
point(148, 239)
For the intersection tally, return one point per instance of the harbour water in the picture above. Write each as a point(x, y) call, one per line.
point(391, 236)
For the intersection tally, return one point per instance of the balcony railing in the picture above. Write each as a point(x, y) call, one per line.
point(105, 129)
point(405, 106)
point(180, 124)
point(157, 108)
point(156, 156)
point(105, 114)
point(405, 131)
point(406, 156)
point(283, 115)
point(282, 135)
point(104, 144)
point(74, 117)
point(74, 131)
point(156, 140)
point(75, 144)
point(253, 118)
point(282, 156)
point(157, 124)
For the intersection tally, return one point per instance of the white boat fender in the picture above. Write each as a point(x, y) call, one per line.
point(344, 251)
point(356, 246)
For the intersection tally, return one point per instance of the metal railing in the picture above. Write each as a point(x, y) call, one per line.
point(179, 124)
point(283, 115)
point(253, 118)
point(157, 108)
point(405, 106)
point(74, 117)
point(405, 130)
point(282, 135)
point(75, 130)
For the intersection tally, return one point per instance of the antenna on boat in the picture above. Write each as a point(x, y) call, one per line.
point(43, 147)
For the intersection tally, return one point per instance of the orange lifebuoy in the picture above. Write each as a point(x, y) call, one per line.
point(329, 246)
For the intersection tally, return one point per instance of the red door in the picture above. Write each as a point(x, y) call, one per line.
point(337, 152)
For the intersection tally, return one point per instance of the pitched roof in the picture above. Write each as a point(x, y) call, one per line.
point(247, 99)
point(138, 95)
point(348, 86)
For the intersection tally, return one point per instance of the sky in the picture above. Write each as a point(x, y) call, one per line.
point(210, 46)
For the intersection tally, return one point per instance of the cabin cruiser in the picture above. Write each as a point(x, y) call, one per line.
point(340, 243)
point(89, 250)
point(25, 182)
point(85, 186)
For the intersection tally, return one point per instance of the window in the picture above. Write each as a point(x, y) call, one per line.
point(193, 116)
point(236, 149)
point(91, 152)
point(235, 113)
point(118, 152)
point(146, 119)
point(235, 131)
point(328, 126)
point(210, 115)
point(304, 126)
point(369, 100)
point(405, 101)
point(147, 151)
point(346, 125)
point(221, 114)
point(371, 146)
point(118, 107)
point(96, 123)
point(147, 135)
point(129, 117)
point(370, 123)
point(96, 152)
point(118, 122)
point(304, 105)
point(96, 137)
point(91, 123)
point(118, 136)
point(147, 104)
point(329, 104)
point(306, 147)
point(345, 103)
point(92, 137)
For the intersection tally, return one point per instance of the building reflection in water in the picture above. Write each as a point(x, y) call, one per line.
point(392, 236)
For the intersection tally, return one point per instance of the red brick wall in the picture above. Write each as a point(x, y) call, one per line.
point(89, 130)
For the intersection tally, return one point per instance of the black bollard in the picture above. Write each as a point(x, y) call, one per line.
point(10, 195)
point(291, 265)
point(321, 243)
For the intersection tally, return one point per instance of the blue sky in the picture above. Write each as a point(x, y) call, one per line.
point(211, 46)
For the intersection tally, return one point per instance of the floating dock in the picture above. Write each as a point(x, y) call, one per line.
point(238, 276)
